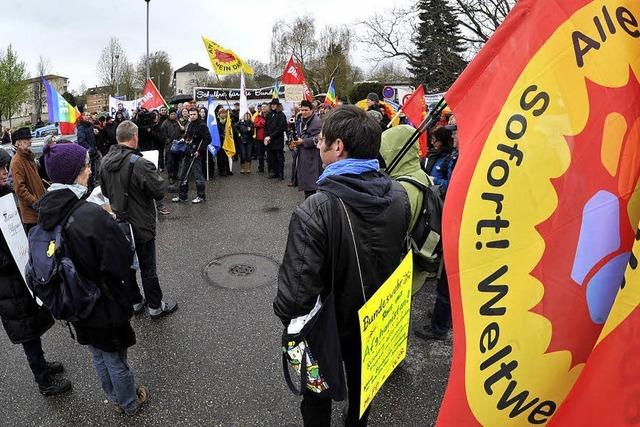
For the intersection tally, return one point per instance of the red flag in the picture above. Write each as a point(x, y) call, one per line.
point(540, 217)
point(416, 110)
point(292, 74)
point(151, 98)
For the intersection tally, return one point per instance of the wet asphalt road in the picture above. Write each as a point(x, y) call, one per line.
point(216, 361)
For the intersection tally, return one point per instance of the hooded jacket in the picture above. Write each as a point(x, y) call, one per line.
point(409, 166)
point(26, 183)
point(146, 186)
point(86, 137)
point(379, 212)
point(100, 253)
point(22, 318)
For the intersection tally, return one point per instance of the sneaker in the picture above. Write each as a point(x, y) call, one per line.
point(139, 307)
point(54, 368)
point(429, 334)
point(178, 200)
point(164, 211)
point(143, 397)
point(198, 200)
point(54, 387)
point(166, 307)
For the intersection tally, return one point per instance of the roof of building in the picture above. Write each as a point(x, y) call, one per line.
point(47, 77)
point(191, 67)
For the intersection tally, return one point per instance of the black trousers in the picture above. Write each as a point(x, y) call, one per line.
point(148, 271)
point(441, 317)
point(276, 162)
point(258, 151)
point(316, 412)
point(35, 357)
point(223, 163)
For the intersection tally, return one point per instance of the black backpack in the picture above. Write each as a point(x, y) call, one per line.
point(52, 276)
point(426, 236)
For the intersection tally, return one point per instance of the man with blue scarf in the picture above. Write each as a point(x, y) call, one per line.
point(372, 215)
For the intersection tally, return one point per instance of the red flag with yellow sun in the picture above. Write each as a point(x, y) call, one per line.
point(541, 219)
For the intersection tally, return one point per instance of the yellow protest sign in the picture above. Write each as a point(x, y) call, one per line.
point(384, 330)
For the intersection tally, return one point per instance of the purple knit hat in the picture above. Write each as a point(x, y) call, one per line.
point(64, 162)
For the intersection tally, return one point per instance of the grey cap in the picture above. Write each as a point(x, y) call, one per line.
point(373, 97)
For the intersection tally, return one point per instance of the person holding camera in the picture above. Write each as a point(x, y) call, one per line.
point(197, 138)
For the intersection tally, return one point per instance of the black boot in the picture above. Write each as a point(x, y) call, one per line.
point(54, 368)
point(54, 387)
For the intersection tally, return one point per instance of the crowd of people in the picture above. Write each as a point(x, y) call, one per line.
point(338, 161)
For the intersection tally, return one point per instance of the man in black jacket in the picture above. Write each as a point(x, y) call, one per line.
point(23, 320)
point(144, 187)
point(197, 137)
point(274, 131)
point(373, 218)
point(101, 254)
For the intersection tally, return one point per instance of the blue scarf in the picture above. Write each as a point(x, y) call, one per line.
point(349, 166)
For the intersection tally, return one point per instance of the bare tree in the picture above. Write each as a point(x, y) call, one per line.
point(160, 71)
point(43, 68)
point(479, 19)
point(389, 71)
point(297, 38)
point(388, 35)
point(111, 63)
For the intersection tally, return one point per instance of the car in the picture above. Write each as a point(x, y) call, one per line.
point(45, 131)
point(37, 144)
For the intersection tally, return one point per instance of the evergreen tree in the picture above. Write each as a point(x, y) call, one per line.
point(438, 59)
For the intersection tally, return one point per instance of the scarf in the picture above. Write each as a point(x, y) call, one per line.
point(351, 167)
point(78, 190)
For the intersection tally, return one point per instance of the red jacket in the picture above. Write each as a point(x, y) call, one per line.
point(259, 123)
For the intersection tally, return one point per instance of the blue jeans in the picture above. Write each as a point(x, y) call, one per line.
point(116, 377)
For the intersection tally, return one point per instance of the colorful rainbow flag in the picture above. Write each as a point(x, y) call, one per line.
point(275, 92)
point(60, 111)
point(330, 99)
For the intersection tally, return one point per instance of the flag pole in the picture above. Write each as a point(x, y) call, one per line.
point(426, 124)
point(226, 98)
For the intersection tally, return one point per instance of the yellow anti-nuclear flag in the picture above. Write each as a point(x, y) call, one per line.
point(229, 145)
point(224, 61)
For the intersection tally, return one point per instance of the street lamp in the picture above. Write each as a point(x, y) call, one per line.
point(148, 59)
point(116, 76)
point(158, 80)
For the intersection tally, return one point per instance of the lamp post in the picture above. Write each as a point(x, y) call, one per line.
point(116, 77)
point(148, 59)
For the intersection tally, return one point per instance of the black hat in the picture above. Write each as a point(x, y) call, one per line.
point(373, 97)
point(5, 158)
point(275, 101)
point(22, 133)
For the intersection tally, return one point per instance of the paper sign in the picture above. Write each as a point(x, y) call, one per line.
point(13, 233)
point(384, 331)
point(152, 156)
point(294, 93)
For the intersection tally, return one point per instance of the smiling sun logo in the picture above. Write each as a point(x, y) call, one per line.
point(584, 261)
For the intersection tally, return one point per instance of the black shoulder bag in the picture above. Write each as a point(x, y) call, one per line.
point(315, 351)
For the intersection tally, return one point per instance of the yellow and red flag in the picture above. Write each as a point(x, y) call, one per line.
point(541, 216)
point(229, 145)
point(224, 61)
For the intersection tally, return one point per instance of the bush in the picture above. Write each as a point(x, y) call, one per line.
point(361, 90)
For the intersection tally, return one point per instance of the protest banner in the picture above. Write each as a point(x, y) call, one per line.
point(129, 106)
point(13, 232)
point(202, 94)
point(384, 330)
point(293, 93)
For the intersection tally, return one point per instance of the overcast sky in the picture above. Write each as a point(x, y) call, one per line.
point(72, 33)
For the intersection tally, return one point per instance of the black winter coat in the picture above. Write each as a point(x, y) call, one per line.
point(309, 161)
point(22, 318)
point(198, 134)
point(102, 254)
point(146, 186)
point(275, 128)
point(380, 214)
point(86, 137)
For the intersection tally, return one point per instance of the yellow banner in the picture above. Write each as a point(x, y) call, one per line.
point(384, 330)
point(229, 145)
point(224, 61)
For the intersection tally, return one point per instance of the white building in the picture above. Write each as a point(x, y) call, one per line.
point(188, 77)
point(27, 112)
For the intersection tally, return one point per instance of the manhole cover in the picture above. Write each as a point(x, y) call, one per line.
point(241, 271)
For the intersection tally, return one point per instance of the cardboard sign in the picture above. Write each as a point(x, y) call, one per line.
point(13, 232)
point(384, 331)
point(294, 93)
